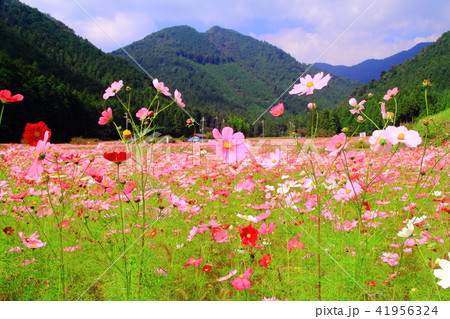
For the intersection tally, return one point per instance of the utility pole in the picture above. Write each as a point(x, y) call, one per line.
point(126, 120)
point(203, 124)
point(262, 121)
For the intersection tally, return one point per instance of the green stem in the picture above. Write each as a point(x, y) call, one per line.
point(127, 286)
point(1, 113)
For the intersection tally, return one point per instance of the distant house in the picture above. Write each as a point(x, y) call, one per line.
point(197, 137)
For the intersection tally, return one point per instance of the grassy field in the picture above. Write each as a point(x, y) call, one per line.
point(170, 228)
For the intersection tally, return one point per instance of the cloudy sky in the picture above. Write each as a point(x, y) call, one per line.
point(333, 31)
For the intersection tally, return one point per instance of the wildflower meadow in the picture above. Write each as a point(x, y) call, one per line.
point(297, 219)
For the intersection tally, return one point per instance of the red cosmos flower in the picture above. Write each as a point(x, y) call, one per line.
point(35, 133)
point(152, 233)
point(265, 260)
point(5, 96)
point(8, 231)
point(371, 283)
point(249, 235)
point(207, 268)
point(116, 157)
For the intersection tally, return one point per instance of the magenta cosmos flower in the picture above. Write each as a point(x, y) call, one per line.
point(178, 98)
point(401, 134)
point(106, 117)
point(277, 110)
point(113, 89)
point(193, 262)
point(308, 84)
point(242, 281)
point(230, 146)
point(160, 87)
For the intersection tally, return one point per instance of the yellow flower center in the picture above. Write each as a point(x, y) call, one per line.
point(227, 145)
point(274, 161)
point(37, 134)
point(338, 144)
point(267, 229)
point(309, 84)
point(401, 136)
point(248, 235)
point(348, 191)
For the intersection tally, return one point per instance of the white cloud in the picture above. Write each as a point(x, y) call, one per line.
point(122, 28)
point(303, 29)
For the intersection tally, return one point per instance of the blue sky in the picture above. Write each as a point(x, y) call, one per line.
point(308, 30)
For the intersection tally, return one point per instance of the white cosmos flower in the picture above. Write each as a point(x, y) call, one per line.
point(416, 220)
point(444, 273)
point(406, 231)
point(248, 217)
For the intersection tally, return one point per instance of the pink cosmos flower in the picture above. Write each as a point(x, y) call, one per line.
point(28, 261)
point(36, 167)
point(32, 241)
point(230, 146)
point(143, 113)
point(383, 111)
point(160, 87)
point(106, 117)
point(390, 93)
point(277, 110)
point(308, 84)
point(270, 299)
point(379, 142)
point(193, 262)
point(243, 282)
point(336, 144)
point(221, 236)
point(350, 224)
point(230, 274)
point(390, 258)
point(273, 160)
point(113, 89)
point(293, 243)
point(357, 107)
point(349, 192)
point(178, 98)
point(401, 134)
point(266, 229)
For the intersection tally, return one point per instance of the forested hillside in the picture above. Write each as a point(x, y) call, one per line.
point(230, 76)
point(225, 78)
point(432, 63)
point(61, 75)
point(371, 69)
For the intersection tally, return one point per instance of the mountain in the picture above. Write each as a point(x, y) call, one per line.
point(372, 68)
point(222, 71)
point(61, 76)
point(432, 63)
